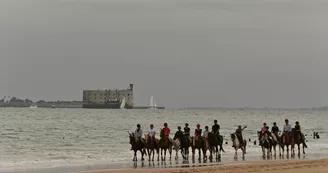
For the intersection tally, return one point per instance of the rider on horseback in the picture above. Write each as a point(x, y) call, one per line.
point(298, 130)
point(167, 131)
point(275, 130)
point(138, 133)
point(152, 134)
point(205, 133)
point(187, 132)
point(286, 129)
point(198, 133)
point(239, 133)
point(216, 128)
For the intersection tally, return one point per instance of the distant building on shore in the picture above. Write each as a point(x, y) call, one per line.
point(108, 98)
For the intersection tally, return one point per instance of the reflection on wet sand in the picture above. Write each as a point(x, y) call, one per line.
point(210, 162)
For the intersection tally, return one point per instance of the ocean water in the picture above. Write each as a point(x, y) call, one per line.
point(84, 139)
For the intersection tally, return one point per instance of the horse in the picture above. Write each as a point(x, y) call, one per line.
point(214, 141)
point(184, 144)
point(200, 145)
point(137, 146)
point(266, 143)
point(176, 147)
point(285, 141)
point(151, 147)
point(236, 144)
point(276, 142)
point(164, 144)
point(296, 139)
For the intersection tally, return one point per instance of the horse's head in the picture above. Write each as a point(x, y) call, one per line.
point(233, 136)
point(162, 133)
point(259, 135)
point(147, 137)
point(132, 138)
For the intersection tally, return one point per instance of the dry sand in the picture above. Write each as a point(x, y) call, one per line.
point(282, 166)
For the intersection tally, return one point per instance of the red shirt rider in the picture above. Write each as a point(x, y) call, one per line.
point(166, 130)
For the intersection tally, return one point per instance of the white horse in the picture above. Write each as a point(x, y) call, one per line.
point(176, 147)
point(237, 145)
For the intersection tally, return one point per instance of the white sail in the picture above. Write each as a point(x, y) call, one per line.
point(155, 106)
point(123, 103)
point(151, 104)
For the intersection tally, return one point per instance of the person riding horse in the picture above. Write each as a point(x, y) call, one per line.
point(216, 128)
point(167, 131)
point(275, 130)
point(138, 133)
point(198, 133)
point(178, 133)
point(205, 133)
point(152, 134)
point(186, 130)
point(298, 130)
point(286, 129)
point(239, 133)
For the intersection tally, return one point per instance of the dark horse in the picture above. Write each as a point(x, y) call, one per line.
point(296, 139)
point(164, 144)
point(151, 147)
point(213, 142)
point(266, 143)
point(184, 144)
point(285, 141)
point(200, 145)
point(137, 146)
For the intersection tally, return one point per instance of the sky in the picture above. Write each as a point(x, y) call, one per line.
point(231, 53)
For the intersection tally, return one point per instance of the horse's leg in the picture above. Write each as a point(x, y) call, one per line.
point(149, 153)
point(165, 154)
point(135, 155)
point(303, 148)
point(299, 149)
point(263, 152)
point(162, 154)
point(157, 150)
point(193, 149)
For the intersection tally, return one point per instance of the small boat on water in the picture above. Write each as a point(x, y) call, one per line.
point(33, 106)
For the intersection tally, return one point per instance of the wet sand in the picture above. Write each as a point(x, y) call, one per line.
point(279, 166)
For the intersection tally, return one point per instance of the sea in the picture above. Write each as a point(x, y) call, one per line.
point(75, 140)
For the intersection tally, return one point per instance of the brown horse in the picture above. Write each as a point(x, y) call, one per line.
point(285, 141)
point(199, 144)
point(297, 139)
point(165, 144)
point(151, 146)
point(137, 146)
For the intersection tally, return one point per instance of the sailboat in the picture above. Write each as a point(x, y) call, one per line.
point(123, 104)
point(33, 106)
point(152, 104)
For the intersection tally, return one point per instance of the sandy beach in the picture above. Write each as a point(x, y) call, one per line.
point(281, 166)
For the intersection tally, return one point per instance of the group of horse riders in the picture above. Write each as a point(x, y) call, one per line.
point(138, 134)
point(287, 129)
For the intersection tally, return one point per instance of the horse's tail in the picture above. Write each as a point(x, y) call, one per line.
point(221, 148)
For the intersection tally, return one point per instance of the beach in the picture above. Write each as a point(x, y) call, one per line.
point(281, 166)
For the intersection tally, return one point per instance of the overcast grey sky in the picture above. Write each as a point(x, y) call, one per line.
point(256, 53)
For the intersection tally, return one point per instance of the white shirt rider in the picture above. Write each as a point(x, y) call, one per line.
point(205, 133)
point(152, 133)
point(287, 128)
point(138, 134)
